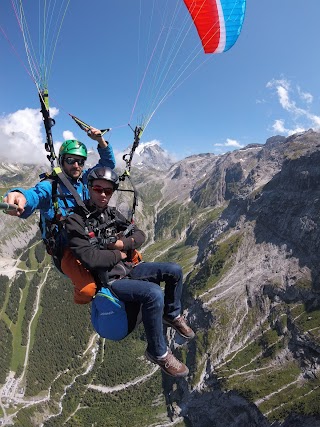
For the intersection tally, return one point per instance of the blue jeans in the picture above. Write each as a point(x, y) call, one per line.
point(143, 286)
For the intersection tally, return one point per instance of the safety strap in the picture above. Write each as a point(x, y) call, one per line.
point(138, 131)
point(60, 194)
point(94, 229)
point(48, 124)
point(58, 172)
point(134, 191)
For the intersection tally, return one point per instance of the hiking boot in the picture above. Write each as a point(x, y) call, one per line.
point(169, 364)
point(181, 326)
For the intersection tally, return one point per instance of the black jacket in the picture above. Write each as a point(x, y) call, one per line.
point(94, 256)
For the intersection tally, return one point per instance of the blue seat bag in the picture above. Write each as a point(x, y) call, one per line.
point(108, 316)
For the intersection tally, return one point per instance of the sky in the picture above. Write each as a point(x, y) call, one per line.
point(109, 54)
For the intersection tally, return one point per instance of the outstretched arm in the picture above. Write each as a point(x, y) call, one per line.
point(37, 197)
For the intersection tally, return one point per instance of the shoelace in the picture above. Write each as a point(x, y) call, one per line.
point(181, 321)
point(172, 361)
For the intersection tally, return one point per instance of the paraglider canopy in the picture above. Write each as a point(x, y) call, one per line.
point(218, 22)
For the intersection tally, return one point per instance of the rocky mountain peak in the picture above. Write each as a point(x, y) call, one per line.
point(151, 155)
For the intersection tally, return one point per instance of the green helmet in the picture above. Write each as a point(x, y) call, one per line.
point(72, 146)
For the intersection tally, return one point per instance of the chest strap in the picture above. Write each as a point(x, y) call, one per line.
point(58, 172)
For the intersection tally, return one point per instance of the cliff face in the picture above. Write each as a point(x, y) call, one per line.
point(257, 274)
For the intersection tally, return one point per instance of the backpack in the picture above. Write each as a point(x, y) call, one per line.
point(108, 315)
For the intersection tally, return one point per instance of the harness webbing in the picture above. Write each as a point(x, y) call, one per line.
point(58, 172)
point(48, 124)
point(137, 135)
point(126, 174)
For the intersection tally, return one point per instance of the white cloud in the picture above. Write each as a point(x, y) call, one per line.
point(283, 95)
point(261, 101)
point(229, 144)
point(278, 127)
point(305, 96)
point(21, 137)
point(293, 100)
point(67, 134)
point(233, 143)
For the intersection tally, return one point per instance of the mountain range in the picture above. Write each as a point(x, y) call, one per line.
point(245, 228)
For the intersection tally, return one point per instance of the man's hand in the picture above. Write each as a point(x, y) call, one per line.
point(15, 198)
point(117, 245)
point(95, 134)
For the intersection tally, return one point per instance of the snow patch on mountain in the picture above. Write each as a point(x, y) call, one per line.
point(151, 154)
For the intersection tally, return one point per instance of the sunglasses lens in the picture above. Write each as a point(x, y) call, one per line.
point(97, 190)
point(72, 161)
point(100, 190)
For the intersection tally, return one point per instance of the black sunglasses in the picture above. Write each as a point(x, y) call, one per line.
point(72, 161)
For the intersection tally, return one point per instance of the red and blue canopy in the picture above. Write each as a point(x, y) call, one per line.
point(218, 22)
